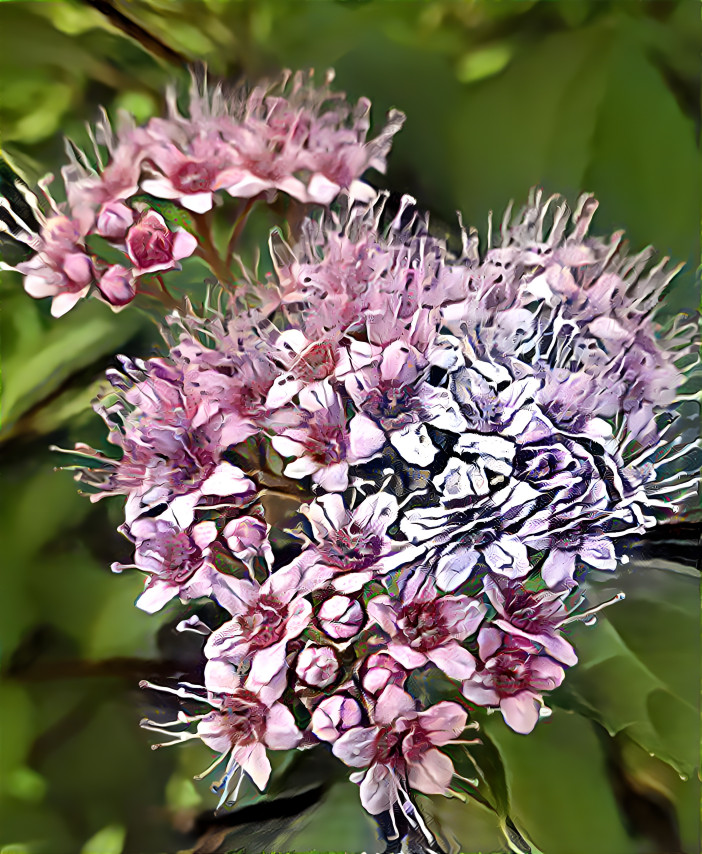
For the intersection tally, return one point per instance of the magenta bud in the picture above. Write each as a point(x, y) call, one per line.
point(317, 666)
point(113, 220)
point(117, 285)
point(340, 617)
point(334, 715)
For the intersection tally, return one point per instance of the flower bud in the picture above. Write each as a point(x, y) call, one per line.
point(117, 285)
point(152, 246)
point(334, 715)
point(113, 220)
point(247, 537)
point(382, 670)
point(341, 617)
point(317, 666)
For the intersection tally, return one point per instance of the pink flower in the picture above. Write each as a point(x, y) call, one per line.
point(335, 715)
point(340, 617)
point(61, 268)
point(537, 617)
point(240, 727)
point(426, 627)
point(391, 396)
point(558, 568)
point(152, 247)
point(512, 676)
point(176, 560)
point(317, 666)
point(319, 439)
point(352, 547)
point(265, 619)
point(400, 749)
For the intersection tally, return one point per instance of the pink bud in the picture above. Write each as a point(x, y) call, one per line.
point(246, 537)
point(334, 715)
point(114, 219)
point(317, 665)
point(152, 247)
point(382, 670)
point(341, 617)
point(117, 285)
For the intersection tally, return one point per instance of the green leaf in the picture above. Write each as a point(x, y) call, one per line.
point(109, 840)
point(559, 789)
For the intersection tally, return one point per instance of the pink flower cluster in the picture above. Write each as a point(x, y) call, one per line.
point(289, 136)
point(389, 465)
point(374, 492)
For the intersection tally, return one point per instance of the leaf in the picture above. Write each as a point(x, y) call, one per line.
point(109, 840)
point(638, 667)
point(40, 353)
point(559, 790)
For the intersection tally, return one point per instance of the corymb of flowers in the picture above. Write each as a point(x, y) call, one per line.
point(390, 464)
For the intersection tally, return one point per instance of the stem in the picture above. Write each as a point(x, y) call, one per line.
point(208, 251)
point(239, 224)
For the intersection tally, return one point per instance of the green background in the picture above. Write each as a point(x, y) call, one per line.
point(499, 96)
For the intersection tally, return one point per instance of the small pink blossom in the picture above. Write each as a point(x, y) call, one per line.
point(318, 439)
point(512, 676)
point(400, 749)
point(426, 627)
point(335, 715)
point(152, 247)
point(175, 560)
point(265, 618)
point(352, 547)
point(61, 268)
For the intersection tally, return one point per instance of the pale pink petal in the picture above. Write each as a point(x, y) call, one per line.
point(480, 695)
point(453, 659)
point(63, 303)
point(268, 662)
point(521, 712)
point(333, 478)
point(184, 244)
point(414, 445)
point(281, 730)
point(357, 746)
point(254, 761)
point(156, 595)
point(365, 438)
point(443, 722)
point(227, 480)
point(378, 790)
point(432, 773)
point(406, 656)
point(198, 203)
point(455, 567)
point(392, 704)
point(558, 568)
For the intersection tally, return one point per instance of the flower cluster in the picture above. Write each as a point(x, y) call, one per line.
point(390, 464)
point(382, 465)
point(120, 230)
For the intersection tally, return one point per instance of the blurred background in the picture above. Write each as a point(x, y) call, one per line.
point(500, 96)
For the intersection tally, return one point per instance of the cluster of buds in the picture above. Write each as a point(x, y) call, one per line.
point(126, 222)
point(388, 461)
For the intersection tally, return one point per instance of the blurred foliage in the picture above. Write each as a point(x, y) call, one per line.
point(574, 95)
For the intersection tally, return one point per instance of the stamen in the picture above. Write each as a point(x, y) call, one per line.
point(586, 616)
